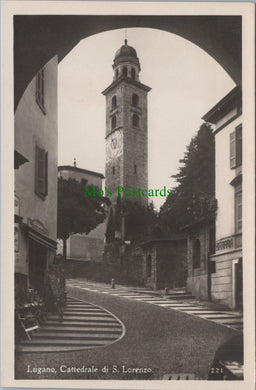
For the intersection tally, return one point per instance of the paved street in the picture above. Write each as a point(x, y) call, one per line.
point(158, 339)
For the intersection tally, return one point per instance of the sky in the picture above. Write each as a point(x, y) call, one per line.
point(186, 82)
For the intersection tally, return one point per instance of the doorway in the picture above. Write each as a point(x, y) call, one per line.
point(37, 265)
point(239, 285)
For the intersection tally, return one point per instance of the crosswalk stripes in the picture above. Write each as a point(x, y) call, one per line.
point(220, 316)
point(84, 326)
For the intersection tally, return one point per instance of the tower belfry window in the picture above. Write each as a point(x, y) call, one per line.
point(133, 73)
point(114, 102)
point(117, 74)
point(135, 120)
point(135, 99)
point(113, 122)
point(125, 71)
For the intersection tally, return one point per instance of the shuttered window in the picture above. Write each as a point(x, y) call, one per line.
point(41, 173)
point(232, 150)
point(239, 145)
point(40, 98)
point(238, 210)
point(236, 147)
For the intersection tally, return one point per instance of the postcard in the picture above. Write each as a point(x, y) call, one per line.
point(128, 194)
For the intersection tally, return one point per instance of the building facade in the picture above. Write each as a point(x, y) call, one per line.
point(36, 179)
point(200, 246)
point(82, 175)
point(226, 278)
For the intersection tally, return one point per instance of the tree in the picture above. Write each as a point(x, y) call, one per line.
point(77, 212)
point(193, 198)
point(140, 221)
point(110, 231)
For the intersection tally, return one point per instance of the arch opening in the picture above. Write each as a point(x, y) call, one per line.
point(221, 38)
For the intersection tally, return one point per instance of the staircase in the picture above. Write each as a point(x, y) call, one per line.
point(83, 326)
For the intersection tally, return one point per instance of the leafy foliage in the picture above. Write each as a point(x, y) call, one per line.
point(140, 222)
point(110, 232)
point(77, 213)
point(193, 198)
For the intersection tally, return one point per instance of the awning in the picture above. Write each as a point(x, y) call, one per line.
point(40, 238)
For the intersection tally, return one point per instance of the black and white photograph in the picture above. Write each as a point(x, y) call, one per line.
point(128, 153)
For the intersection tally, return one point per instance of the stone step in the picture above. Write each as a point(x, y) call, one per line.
point(220, 317)
point(68, 317)
point(86, 312)
point(79, 311)
point(94, 329)
point(228, 321)
point(84, 323)
point(179, 296)
point(206, 312)
point(97, 313)
point(65, 342)
point(70, 335)
point(72, 305)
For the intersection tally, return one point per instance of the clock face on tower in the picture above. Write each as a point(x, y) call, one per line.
point(114, 144)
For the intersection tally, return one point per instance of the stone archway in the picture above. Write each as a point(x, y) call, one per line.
point(37, 38)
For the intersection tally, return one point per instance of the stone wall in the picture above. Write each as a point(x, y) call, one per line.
point(223, 280)
point(82, 247)
point(198, 281)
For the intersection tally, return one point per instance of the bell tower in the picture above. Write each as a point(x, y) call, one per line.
point(126, 127)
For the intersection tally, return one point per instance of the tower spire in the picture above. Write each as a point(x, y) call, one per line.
point(125, 36)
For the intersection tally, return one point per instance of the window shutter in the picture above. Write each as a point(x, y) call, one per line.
point(239, 145)
point(232, 137)
point(41, 172)
point(238, 211)
point(46, 173)
point(40, 89)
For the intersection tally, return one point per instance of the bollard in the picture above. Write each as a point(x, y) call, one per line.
point(166, 291)
point(113, 283)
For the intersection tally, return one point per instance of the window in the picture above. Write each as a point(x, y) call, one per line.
point(133, 73)
point(135, 120)
point(114, 102)
point(236, 147)
point(149, 266)
point(40, 89)
point(117, 73)
point(125, 72)
point(238, 209)
point(84, 181)
point(114, 170)
point(196, 254)
point(41, 172)
point(113, 122)
point(135, 169)
point(212, 267)
point(135, 100)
